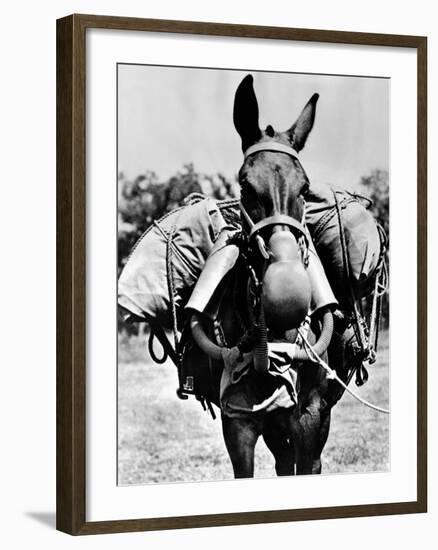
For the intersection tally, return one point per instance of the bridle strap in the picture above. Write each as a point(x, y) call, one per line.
point(276, 219)
point(271, 146)
point(279, 219)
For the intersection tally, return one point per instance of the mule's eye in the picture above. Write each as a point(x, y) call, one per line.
point(305, 189)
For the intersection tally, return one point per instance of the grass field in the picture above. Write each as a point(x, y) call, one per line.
point(164, 439)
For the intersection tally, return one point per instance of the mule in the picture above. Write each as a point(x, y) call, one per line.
point(266, 300)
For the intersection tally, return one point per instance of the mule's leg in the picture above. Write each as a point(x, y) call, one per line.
point(306, 435)
point(283, 451)
point(240, 437)
point(323, 435)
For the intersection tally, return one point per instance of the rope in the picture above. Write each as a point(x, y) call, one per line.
point(171, 286)
point(380, 288)
point(333, 375)
point(154, 356)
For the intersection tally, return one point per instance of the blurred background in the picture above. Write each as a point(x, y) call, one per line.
point(176, 137)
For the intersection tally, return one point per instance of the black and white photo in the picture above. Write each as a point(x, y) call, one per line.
point(253, 281)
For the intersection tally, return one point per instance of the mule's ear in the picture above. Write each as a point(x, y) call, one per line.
point(299, 131)
point(246, 113)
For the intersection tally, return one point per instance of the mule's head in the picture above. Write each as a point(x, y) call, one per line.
point(273, 183)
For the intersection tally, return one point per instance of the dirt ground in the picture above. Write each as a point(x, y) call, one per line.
point(163, 439)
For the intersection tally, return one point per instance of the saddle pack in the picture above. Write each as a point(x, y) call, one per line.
point(347, 239)
point(160, 277)
point(167, 261)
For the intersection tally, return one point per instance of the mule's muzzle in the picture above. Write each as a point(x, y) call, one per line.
point(287, 290)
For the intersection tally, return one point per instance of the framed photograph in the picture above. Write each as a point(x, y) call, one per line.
point(241, 274)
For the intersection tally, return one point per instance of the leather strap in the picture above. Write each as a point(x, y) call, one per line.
point(280, 219)
point(271, 146)
point(276, 219)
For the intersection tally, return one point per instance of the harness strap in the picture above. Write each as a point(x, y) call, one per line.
point(279, 219)
point(276, 219)
point(271, 146)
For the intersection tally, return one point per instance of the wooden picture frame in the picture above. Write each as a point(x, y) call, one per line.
point(71, 273)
